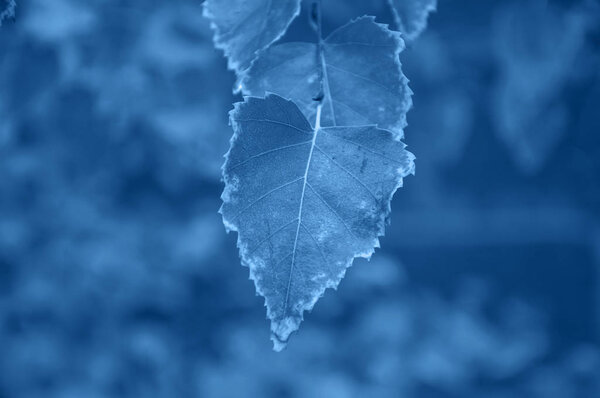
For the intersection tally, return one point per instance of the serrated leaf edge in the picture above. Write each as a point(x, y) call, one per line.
point(231, 64)
point(283, 329)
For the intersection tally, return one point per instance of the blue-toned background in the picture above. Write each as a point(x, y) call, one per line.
point(117, 278)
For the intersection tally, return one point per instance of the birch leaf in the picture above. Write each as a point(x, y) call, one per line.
point(363, 78)
point(244, 27)
point(305, 201)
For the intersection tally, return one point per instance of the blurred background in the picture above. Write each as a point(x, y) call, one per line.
point(117, 278)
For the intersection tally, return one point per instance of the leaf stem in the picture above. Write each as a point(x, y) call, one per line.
point(316, 23)
point(318, 118)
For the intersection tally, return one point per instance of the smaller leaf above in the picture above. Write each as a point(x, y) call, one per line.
point(363, 79)
point(305, 201)
point(244, 27)
point(411, 16)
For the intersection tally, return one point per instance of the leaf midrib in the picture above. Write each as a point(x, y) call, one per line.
point(300, 207)
point(317, 128)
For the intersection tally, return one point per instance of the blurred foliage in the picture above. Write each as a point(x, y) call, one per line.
point(116, 276)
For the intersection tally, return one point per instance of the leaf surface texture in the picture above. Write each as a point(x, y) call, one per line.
point(305, 201)
point(363, 79)
point(242, 28)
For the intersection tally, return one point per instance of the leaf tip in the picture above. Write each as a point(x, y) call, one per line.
point(281, 330)
point(278, 345)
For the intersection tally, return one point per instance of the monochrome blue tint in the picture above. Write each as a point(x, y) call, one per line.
point(7, 9)
point(411, 16)
point(359, 57)
point(244, 27)
point(305, 201)
point(117, 278)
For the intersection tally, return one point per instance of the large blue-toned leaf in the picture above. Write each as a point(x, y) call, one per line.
point(7, 9)
point(305, 201)
point(244, 27)
point(363, 80)
point(411, 16)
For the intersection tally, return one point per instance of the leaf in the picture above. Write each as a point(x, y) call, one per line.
point(363, 77)
point(305, 201)
point(244, 27)
point(411, 16)
point(9, 10)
